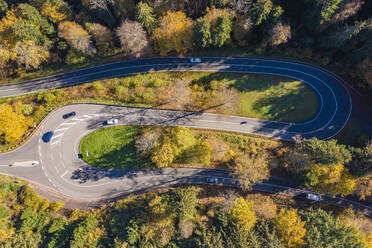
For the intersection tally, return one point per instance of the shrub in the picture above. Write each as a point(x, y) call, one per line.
point(27, 109)
point(74, 57)
point(97, 87)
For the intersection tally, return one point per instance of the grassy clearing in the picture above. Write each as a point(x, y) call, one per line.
point(114, 147)
point(111, 148)
point(268, 97)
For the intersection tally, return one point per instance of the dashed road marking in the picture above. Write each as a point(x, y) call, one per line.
point(61, 129)
point(54, 143)
point(64, 174)
point(68, 123)
point(59, 135)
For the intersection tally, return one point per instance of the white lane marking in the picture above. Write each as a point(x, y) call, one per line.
point(63, 164)
point(56, 136)
point(65, 173)
point(78, 119)
point(61, 129)
point(68, 123)
point(54, 143)
point(24, 164)
point(56, 167)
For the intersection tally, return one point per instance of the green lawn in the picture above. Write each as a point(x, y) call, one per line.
point(111, 148)
point(267, 97)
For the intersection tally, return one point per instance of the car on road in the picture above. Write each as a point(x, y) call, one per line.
point(212, 180)
point(68, 115)
point(47, 136)
point(195, 60)
point(111, 122)
point(243, 122)
point(313, 197)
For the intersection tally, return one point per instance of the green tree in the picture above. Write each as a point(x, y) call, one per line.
point(361, 163)
point(30, 13)
point(200, 153)
point(270, 238)
point(262, 10)
point(3, 7)
point(325, 152)
point(325, 230)
point(326, 9)
point(145, 16)
point(25, 31)
point(23, 239)
point(186, 200)
point(209, 238)
point(80, 233)
point(214, 28)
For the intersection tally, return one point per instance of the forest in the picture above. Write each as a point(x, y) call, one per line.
point(181, 217)
point(40, 37)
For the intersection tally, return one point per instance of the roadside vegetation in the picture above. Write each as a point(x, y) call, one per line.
point(324, 166)
point(257, 96)
point(182, 217)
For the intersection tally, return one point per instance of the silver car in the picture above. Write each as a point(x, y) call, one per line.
point(313, 197)
point(195, 60)
point(212, 180)
point(111, 122)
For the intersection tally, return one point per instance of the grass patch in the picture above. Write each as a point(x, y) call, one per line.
point(267, 97)
point(114, 147)
point(111, 148)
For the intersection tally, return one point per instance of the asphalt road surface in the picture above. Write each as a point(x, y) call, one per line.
point(56, 166)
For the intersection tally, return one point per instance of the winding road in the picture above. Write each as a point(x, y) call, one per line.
point(56, 166)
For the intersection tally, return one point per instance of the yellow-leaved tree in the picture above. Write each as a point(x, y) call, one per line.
point(55, 10)
point(13, 124)
point(175, 33)
point(243, 214)
point(332, 179)
point(290, 227)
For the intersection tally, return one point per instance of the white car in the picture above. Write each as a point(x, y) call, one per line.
point(313, 197)
point(195, 60)
point(111, 122)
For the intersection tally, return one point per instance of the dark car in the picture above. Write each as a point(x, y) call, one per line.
point(47, 136)
point(69, 115)
point(243, 122)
